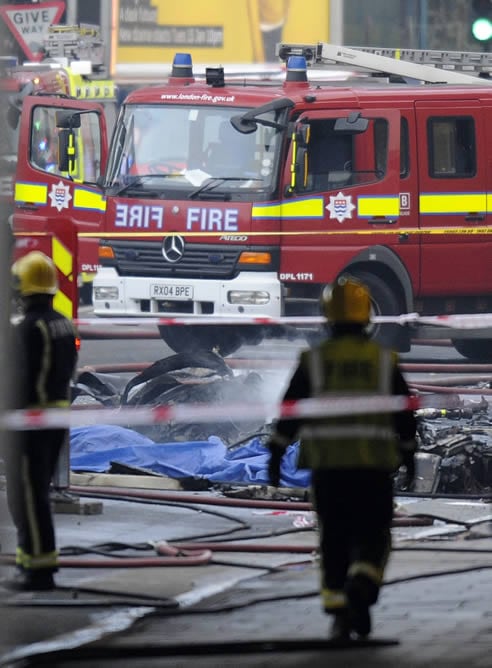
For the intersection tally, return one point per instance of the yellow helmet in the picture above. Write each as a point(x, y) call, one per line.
point(35, 274)
point(349, 301)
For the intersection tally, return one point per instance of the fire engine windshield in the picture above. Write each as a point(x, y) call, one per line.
point(194, 150)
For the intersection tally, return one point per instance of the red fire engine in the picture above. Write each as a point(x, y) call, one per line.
point(73, 67)
point(248, 198)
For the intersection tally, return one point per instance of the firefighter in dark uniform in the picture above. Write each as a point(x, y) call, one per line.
point(352, 458)
point(44, 344)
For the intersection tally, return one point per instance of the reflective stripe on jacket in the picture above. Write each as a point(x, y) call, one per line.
point(349, 366)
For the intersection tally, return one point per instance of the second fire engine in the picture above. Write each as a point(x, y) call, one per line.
point(248, 198)
point(73, 67)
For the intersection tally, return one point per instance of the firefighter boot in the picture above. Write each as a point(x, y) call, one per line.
point(361, 594)
point(340, 627)
point(27, 580)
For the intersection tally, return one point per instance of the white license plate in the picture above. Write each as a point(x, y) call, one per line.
point(178, 292)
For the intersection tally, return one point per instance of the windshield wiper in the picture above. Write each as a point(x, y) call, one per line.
point(137, 182)
point(214, 182)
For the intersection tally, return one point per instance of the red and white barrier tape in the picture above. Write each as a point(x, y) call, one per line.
point(463, 321)
point(199, 320)
point(59, 418)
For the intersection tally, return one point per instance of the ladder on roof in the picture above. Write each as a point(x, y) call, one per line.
point(76, 42)
point(425, 66)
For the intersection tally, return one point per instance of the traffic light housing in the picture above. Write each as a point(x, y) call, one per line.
point(481, 20)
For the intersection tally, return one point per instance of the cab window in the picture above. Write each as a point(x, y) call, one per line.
point(404, 149)
point(44, 140)
point(337, 160)
point(452, 147)
point(44, 145)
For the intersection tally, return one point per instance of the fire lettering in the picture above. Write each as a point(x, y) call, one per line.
point(139, 216)
point(212, 220)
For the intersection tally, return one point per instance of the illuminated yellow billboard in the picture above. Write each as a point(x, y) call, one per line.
point(214, 31)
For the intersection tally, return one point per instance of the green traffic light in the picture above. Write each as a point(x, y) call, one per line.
point(482, 29)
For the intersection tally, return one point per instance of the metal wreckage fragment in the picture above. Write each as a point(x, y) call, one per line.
point(201, 377)
point(455, 445)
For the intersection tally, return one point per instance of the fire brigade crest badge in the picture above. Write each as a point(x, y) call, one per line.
point(340, 207)
point(60, 196)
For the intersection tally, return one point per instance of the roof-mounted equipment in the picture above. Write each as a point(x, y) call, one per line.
point(307, 51)
point(75, 42)
point(296, 69)
point(453, 67)
point(214, 76)
point(182, 67)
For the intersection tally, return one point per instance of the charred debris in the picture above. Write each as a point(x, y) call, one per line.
point(455, 445)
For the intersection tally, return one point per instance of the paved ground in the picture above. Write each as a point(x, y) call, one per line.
point(255, 607)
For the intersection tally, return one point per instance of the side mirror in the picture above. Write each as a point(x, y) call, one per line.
point(15, 104)
point(245, 126)
point(353, 124)
point(67, 120)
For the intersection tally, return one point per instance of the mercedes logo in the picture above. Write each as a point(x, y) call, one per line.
point(173, 248)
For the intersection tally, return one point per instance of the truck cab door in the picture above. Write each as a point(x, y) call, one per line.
point(342, 187)
point(456, 251)
point(49, 193)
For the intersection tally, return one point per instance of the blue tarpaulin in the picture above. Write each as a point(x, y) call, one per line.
point(93, 448)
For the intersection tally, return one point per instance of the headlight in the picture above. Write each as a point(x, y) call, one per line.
point(252, 297)
point(102, 292)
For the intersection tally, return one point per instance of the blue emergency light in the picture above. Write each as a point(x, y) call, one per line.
point(296, 69)
point(182, 66)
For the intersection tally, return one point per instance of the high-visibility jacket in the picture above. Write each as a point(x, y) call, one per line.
point(351, 365)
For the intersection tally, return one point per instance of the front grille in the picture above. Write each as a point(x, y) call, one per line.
point(183, 308)
point(144, 258)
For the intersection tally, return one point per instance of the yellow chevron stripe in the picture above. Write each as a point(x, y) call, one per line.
point(34, 193)
point(62, 258)
point(63, 304)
